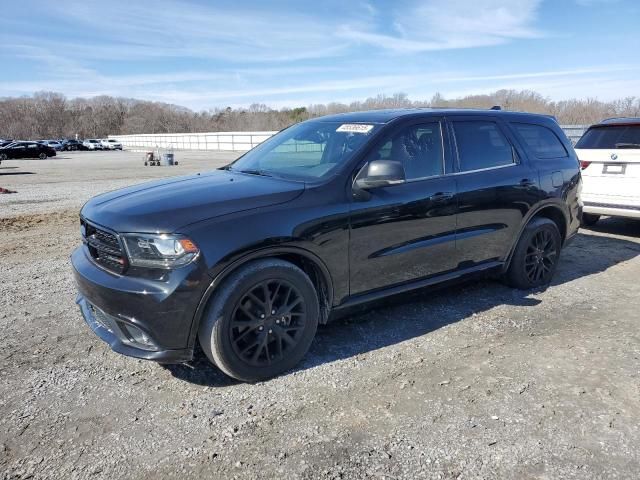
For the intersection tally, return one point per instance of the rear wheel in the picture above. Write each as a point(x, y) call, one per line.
point(3, 156)
point(536, 256)
point(262, 320)
point(42, 156)
point(589, 219)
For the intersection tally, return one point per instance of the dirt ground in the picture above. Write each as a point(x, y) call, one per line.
point(472, 381)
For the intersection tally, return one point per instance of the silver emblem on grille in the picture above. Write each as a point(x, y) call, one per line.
point(614, 156)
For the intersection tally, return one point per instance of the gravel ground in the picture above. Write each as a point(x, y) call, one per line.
point(473, 381)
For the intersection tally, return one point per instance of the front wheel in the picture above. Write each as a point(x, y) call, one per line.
point(3, 156)
point(536, 256)
point(262, 320)
point(42, 156)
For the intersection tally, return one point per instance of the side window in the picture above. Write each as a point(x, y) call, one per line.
point(481, 144)
point(417, 147)
point(541, 140)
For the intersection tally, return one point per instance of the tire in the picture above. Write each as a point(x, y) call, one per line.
point(536, 256)
point(42, 156)
point(3, 156)
point(264, 348)
point(589, 219)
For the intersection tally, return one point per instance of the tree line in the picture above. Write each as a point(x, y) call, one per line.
point(52, 115)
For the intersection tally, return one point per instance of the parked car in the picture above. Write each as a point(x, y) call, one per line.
point(72, 145)
point(26, 150)
point(111, 144)
point(93, 144)
point(55, 144)
point(327, 214)
point(609, 154)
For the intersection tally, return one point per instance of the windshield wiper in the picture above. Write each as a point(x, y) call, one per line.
point(627, 145)
point(262, 173)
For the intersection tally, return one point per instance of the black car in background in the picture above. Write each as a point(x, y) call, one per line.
point(72, 145)
point(26, 150)
point(327, 214)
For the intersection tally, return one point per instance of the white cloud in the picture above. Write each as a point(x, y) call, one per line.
point(436, 25)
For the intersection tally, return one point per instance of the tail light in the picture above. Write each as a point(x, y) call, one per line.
point(584, 164)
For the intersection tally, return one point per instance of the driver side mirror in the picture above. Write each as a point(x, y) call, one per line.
point(380, 173)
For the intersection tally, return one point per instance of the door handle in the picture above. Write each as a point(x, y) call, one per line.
point(441, 196)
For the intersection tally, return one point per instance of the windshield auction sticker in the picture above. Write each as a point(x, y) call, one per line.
point(354, 128)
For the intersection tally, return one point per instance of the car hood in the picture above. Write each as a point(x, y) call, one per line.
point(168, 204)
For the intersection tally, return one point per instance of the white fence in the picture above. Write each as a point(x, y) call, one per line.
point(237, 141)
point(227, 141)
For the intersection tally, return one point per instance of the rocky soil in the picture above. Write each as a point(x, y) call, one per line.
point(474, 381)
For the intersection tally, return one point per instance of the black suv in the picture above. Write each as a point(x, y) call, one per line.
point(326, 214)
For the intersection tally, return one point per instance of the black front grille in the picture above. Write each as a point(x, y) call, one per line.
point(104, 247)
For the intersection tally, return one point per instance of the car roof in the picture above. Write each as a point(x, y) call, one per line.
point(619, 121)
point(385, 116)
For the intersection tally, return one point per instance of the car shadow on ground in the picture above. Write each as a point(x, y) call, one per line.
point(6, 174)
point(403, 317)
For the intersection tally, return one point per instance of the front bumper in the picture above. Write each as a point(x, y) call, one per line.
point(149, 318)
point(116, 334)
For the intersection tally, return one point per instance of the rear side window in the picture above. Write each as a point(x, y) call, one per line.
point(481, 145)
point(611, 137)
point(542, 141)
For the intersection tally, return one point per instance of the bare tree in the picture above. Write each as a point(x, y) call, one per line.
point(51, 115)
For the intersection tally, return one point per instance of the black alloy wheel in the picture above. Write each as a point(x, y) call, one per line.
point(267, 322)
point(535, 258)
point(541, 257)
point(261, 320)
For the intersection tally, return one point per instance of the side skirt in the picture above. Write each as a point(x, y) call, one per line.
point(424, 282)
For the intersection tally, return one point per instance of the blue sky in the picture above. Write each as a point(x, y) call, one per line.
point(205, 54)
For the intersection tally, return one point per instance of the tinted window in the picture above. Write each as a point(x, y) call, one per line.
point(618, 136)
point(481, 144)
point(417, 147)
point(308, 150)
point(541, 140)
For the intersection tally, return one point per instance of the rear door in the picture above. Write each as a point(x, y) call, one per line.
point(33, 150)
point(610, 162)
point(496, 187)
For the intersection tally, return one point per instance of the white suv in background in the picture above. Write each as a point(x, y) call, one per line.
point(609, 154)
point(110, 144)
point(93, 144)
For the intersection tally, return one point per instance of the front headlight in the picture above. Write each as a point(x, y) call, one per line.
point(159, 251)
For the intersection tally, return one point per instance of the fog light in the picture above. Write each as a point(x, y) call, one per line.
point(136, 335)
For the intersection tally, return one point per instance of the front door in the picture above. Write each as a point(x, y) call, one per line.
point(406, 231)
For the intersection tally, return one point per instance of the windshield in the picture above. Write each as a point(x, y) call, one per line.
point(611, 137)
point(306, 151)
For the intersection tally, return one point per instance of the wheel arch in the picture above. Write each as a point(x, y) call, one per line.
point(307, 261)
point(551, 210)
